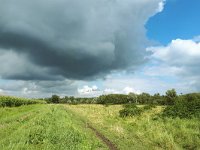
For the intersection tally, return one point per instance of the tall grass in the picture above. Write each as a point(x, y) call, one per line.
point(146, 132)
point(9, 101)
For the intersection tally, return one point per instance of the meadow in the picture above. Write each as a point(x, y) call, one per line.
point(44, 127)
point(36, 125)
point(144, 132)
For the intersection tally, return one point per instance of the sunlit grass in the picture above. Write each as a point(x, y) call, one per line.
point(52, 127)
point(45, 127)
point(142, 132)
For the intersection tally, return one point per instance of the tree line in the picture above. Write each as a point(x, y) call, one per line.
point(144, 98)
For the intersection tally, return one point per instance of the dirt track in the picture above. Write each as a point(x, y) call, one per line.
point(105, 140)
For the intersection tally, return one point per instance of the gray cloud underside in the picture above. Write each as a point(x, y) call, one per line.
point(72, 39)
point(38, 88)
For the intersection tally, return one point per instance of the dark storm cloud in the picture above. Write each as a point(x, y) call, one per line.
point(72, 39)
point(38, 88)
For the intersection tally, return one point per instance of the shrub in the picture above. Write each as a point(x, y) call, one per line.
point(130, 110)
point(149, 107)
point(186, 106)
point(9, 101)
point(114, 99)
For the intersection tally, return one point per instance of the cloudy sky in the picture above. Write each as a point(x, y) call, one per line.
point(93, 47)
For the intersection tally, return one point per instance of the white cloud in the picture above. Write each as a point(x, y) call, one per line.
point(162, 70)
point(95, 91)
point(153, 81)
point(178, 52)
point(125, 90)
point(89, 91)
point(128, 90)
point(161, 6)
point(180, 59)
point(110, 91)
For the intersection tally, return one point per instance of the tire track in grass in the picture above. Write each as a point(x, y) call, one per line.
point(105, 140)
point(99, 135)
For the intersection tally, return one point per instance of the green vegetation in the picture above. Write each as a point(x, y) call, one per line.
point(10, 101)
point(187, 106)
point(114, 99)
point(132, 110)
point(171, 97)
point(44, 127)
point(142, 99)
point(146, 131)
point(143, 121)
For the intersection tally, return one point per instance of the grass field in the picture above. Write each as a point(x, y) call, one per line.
point(44, 127)
point(142, 132)
point(57, 127)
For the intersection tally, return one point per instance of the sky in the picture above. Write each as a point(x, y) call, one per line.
point(93, 47)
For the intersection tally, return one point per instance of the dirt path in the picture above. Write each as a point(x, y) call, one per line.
point(105, 140)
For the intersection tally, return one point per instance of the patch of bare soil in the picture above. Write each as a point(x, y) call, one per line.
point(105, 140)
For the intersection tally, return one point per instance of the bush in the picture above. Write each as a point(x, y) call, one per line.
point(130, 110)
point(114, 99)
point(8, 101)
point(149, 107)
point(186, 106)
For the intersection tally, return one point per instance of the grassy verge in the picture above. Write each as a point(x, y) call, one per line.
point(45, 127)
point(142, 132)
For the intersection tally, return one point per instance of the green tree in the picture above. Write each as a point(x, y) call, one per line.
point(171, 96)
point(157, 99)
point(144, 98)
point(134, 97)
point(55, 99)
